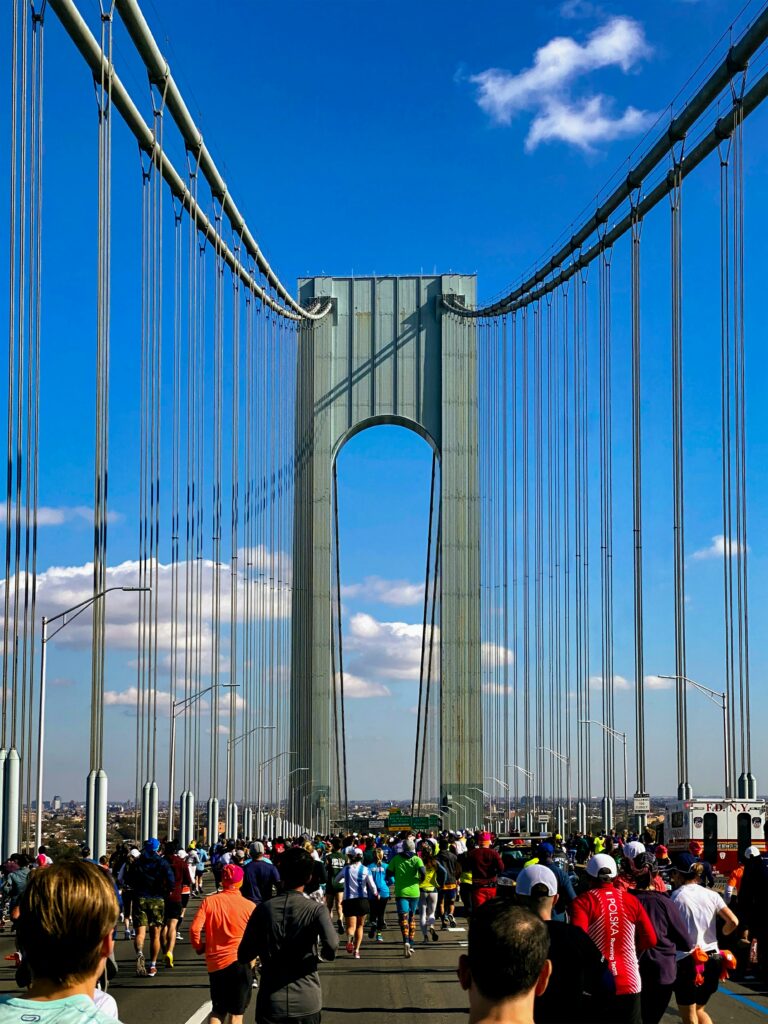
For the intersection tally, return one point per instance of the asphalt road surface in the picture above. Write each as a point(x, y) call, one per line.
point(382, 983)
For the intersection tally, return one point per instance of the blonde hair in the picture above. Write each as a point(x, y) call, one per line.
point(379, 854)
point(65, 914)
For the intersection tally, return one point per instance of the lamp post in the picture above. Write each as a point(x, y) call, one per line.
point(721, 700)
point(472, 800)
point(63, 619)
point(464, 808)
point(563, 759)
point(617, 736)
point(261, 767)
point(531, 777)
point(230, 781)
point(177, 707)
point(485, 796)
point(492, 778)
point(286, 778)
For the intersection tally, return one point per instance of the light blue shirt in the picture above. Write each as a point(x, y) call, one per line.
point(72, 1010)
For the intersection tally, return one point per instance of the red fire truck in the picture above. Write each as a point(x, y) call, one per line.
point(725, 827)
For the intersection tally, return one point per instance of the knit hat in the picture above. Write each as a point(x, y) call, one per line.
point(151, 845)
point(696, 847)
point(485, 837)
point(662, 851)
point(547, 849)
point(232, 876)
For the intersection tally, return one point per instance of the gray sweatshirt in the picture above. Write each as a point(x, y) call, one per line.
point(288, 933)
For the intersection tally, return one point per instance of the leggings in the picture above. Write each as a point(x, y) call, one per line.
point(378, 906)
point(406, 914)
point(427, 906)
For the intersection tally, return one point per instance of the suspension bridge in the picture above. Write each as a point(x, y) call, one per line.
point(248, 390)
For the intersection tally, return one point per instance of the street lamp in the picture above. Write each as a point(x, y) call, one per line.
point(485, 796)
point(721, 700)
point(617, 736)
point(493, 778)
point(478, 817)
point(563, 759)
point(177, 707)
point(261, 767)
point(531, 777)
point(63, 619)
point(230, 781)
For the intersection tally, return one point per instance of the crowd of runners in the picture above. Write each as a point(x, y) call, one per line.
point(623, 928)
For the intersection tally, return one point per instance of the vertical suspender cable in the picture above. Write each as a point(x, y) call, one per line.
point(424, 630)
point(340, 651)
point(677, 473)
point(637, 506)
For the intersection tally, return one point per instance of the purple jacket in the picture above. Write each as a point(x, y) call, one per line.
point(670, 933)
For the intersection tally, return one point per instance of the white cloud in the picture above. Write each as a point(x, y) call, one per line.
point(396, 592)
point(62, 587)
point(619, 683)
point(356, 687)
point(717, 548)
point(48, 515)
point(543, 88)
point(657, 683)
point(579, 9)
point(388, 650)
point(584, 123)
point(493, 654)
point(128, 699)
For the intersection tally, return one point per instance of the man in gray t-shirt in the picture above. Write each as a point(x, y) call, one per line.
point(289, 933)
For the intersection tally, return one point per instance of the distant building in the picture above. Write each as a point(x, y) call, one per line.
point(56, 804)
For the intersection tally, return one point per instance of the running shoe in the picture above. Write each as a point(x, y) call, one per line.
point(350, 946)
point(451, 920)
point(169, 960)
point(372, 932)
point(357, 956)
point(141, 967)
point(152, 971)
point(127, 933)
point(379, 937)
point(179, 937)
point(407, 949)
point(434, 934)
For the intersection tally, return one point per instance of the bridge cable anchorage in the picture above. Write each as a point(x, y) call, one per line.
point(94, 56)
point(677, 128)
point(637, 497)
point(337, 572)
point(424, 632)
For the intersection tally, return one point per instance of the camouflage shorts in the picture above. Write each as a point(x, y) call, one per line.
point(148, 911)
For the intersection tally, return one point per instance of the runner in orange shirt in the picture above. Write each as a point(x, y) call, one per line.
point(223, 917)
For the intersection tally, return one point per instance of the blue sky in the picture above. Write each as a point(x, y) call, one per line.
point(361, 139)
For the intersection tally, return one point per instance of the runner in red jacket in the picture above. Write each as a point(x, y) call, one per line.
point(621, 929)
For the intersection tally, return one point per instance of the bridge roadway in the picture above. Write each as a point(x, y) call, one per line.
point(382, 983)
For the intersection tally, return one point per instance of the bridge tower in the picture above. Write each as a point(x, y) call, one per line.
point(388, 353)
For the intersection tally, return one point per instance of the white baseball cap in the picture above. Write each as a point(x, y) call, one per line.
point(751, 851)
point(601, 866)
point(633, 849)
point(536, 874)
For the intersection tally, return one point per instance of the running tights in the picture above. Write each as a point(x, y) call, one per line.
point(427, 907)
point(408, 926)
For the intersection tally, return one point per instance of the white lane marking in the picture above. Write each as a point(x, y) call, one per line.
point(199, 1015)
